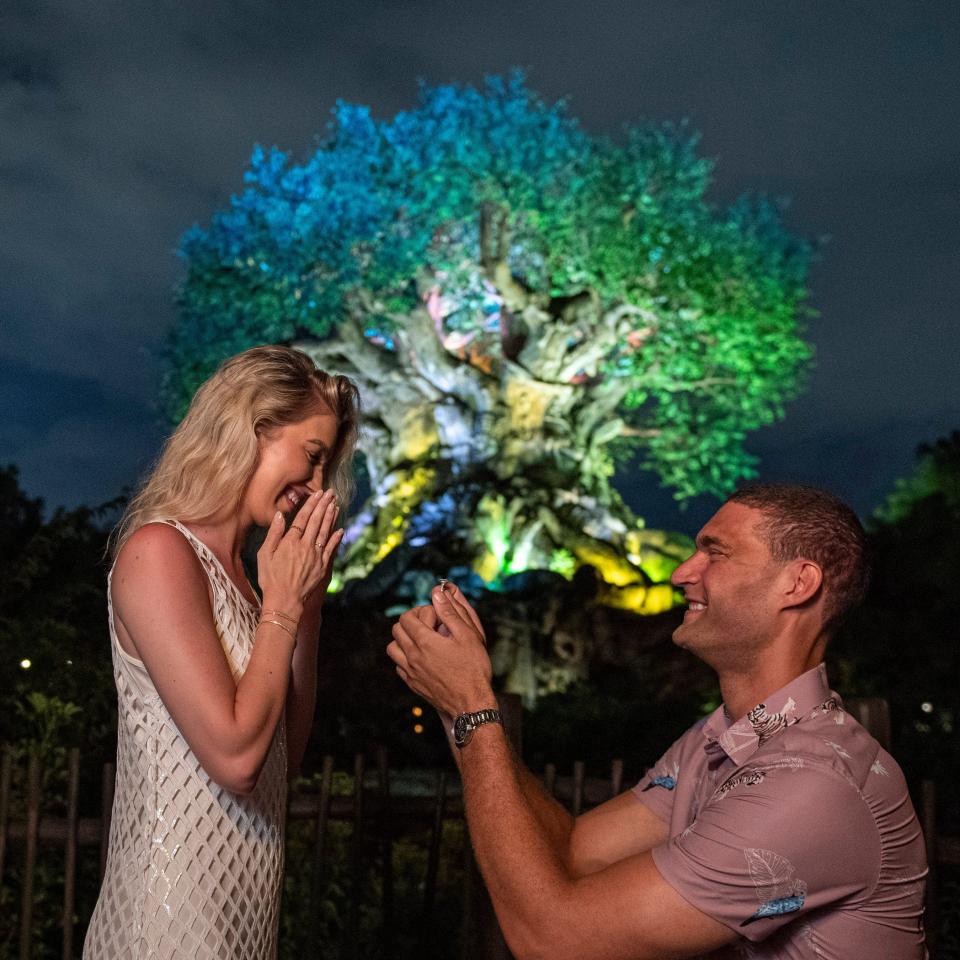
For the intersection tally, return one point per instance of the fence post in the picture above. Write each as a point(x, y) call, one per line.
point(928, 821)
point(356, 856)
point(320, 844)
point(30, 856)
point(576, 800)
point(70, 852)
point(873, 714)
point(550, 779)
point(107, 786)
point(482, 937)
point(6, 772)
point(386, 853)
point(433, 864)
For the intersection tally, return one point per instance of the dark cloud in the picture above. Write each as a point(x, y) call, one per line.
point(123, 124)
point(71, 435)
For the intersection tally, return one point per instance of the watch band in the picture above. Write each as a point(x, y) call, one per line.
point(466, 723)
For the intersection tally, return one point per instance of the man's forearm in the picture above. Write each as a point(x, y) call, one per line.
point(556, 823)
point(527, 876)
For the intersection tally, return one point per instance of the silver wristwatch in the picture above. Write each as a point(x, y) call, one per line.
point(466, 723)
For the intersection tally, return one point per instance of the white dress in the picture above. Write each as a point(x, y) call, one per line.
point(193, 870)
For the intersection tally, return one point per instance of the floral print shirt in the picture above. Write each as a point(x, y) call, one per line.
point(793, 827)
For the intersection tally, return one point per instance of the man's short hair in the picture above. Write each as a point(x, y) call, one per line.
point(802, 522)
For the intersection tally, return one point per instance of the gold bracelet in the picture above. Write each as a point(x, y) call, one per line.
point(282, 626)
point(279, 613)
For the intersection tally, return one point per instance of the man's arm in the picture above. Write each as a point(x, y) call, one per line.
point(615, 908)
point(621, 910)
point(613, 831)
point(620, 828)
point(557, 823)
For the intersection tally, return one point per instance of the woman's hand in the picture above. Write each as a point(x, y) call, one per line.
point(291, 566)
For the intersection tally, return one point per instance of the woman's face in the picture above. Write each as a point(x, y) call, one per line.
point(293, 464)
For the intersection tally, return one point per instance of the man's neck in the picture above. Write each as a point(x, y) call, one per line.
point(743, 690)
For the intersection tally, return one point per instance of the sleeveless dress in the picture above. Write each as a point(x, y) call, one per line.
point(193, 870)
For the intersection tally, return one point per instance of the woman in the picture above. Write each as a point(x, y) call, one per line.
point(216, 686)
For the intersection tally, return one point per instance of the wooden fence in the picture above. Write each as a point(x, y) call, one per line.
point(372, 809)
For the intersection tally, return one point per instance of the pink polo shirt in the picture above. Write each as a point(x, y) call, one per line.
point(793, 827)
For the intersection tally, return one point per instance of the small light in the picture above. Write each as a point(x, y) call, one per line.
point(417, 711)
point(25, 664)
point(418, 728)
point(926, 706)
point(69, 663)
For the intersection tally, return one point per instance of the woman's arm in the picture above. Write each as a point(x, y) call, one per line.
point(162, 610)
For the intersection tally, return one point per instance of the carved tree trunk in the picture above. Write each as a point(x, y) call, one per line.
point(488, 451)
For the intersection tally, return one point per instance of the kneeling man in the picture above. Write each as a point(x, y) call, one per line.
point(775, 828)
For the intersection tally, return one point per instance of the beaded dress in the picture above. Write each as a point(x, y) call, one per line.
point(193, 870)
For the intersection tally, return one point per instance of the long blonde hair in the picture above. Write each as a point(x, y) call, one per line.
point(207, 462)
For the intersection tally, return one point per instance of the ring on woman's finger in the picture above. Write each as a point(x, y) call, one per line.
point(318, 543)
point(299, 530)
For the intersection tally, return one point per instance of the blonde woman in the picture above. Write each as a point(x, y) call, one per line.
point(216, 685)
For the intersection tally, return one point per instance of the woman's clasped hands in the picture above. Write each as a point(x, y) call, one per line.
point(293, 565)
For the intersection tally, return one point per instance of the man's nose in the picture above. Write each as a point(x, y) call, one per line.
point(687, 572)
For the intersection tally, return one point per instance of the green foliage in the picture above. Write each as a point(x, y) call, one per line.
point(935, 480)
point(53, 613)
point(439, 196)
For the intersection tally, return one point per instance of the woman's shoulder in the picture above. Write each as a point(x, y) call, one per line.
point(156, 549)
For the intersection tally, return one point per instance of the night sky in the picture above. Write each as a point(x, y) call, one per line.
point(123, 123)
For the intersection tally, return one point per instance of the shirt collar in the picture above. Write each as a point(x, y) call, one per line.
point(740, 739)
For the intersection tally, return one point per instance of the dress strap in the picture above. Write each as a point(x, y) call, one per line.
point(215, 571)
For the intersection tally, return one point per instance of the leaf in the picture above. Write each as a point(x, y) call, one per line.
point(772, 874)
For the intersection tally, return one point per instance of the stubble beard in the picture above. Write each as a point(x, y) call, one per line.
point(730, 644)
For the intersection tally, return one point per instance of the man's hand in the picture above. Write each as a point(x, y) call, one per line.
point(440, 654)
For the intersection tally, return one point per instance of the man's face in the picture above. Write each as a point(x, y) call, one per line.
point(730, 584)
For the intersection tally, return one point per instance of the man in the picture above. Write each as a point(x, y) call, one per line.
point(775, 828)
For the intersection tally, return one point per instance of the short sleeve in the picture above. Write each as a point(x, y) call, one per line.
point(657, 788)
point(773, 844)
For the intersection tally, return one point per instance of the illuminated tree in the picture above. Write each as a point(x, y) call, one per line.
point(524, 306)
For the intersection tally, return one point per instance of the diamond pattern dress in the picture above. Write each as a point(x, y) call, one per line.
point(193, 870)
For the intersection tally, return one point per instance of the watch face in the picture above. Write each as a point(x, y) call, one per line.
point(461, 728)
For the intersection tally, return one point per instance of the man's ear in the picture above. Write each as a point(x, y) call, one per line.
point(803, 580)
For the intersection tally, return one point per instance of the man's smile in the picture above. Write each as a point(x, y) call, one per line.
point(694, 609)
